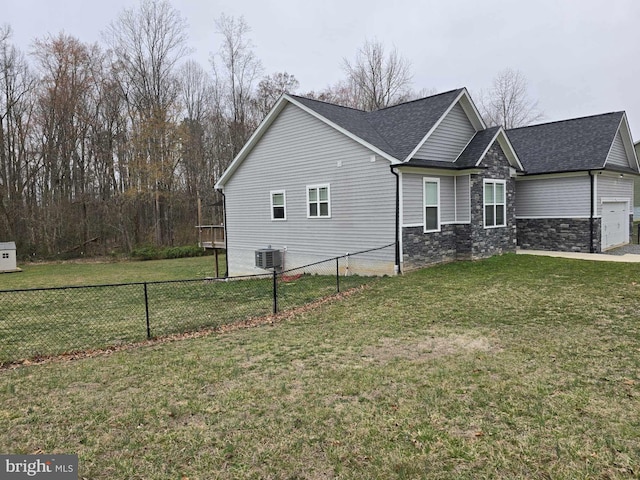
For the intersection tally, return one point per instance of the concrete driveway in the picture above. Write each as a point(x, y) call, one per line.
point(600, 257)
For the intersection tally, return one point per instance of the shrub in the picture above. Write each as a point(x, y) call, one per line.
point(149, 252)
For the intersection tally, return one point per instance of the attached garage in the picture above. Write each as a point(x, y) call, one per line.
point(615, 224)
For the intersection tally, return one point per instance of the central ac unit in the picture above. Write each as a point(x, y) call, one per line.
point(268, 258)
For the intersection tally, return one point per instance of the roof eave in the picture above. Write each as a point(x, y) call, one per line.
point(507, 148)
point(344, 131)
point(475, 119)
point(253, 139)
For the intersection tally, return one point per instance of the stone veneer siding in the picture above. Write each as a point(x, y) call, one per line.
point(560, 234)
point(472, 240)
point(486, 242)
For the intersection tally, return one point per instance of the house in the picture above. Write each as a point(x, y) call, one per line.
point(318, 180)
point(577, 194)
point(8, 257)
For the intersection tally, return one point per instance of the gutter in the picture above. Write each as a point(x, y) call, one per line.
point(397, 265)
point(226, 249)
point(591, 220)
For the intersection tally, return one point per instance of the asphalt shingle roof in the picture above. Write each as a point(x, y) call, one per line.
point(7, 245)
point(477, 146)
point(569, 145)
point(395, 130)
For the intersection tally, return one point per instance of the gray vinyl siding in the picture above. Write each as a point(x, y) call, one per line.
point(449, 138)
point(617, 154)
point(463, 199)
point(613, 187)
point(560, 197)
point(413, 202)
point(297, 151)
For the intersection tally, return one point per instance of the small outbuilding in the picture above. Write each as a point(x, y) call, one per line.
point(8, 257)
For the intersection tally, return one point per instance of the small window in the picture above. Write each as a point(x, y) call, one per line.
point(319, 201)
point(5, 255)
point(278, 205)
point(494, 203)
point(431, 205)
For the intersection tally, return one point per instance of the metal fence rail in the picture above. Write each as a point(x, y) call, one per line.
point(50, 321)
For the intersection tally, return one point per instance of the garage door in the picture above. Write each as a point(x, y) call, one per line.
point(615, 224)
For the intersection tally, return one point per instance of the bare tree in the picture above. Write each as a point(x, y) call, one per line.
point(271, 88)
point(507, 103)
point(236, 69)
point(148, 42)
point(378, 79)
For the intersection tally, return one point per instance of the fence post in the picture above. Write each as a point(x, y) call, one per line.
point(338, 274)
point(146, 310)
point(275, 292)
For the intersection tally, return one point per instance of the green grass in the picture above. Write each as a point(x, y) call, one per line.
point(58, 274)
point(38, 323)
point(516, 367)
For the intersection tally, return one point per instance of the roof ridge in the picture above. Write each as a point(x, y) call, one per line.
point(328, 103)
point(416, 100)
point(567, 120)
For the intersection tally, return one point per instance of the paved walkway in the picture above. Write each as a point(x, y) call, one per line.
point(601, 257)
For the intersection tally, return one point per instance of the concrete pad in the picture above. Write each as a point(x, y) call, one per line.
point(600, 257)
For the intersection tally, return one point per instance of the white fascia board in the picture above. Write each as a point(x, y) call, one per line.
point(467, 105)
point(353, 137)
point(435, 125)
point(507, 148)
point(627, 139)
point(257, 135)
point(512, 156)
point(445, 172)
point(542, 176)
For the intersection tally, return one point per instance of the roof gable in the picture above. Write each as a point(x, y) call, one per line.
point(569, 145)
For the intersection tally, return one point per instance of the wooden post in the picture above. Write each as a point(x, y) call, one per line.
point(216, 250)
point(199, 221)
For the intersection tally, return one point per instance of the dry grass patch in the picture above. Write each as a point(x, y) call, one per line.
point(428, 348)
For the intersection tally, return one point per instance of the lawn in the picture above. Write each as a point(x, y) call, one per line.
point(513, 367)
point(58, 274)
point(42, 322)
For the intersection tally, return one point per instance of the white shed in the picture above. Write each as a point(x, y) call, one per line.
point(8, 257)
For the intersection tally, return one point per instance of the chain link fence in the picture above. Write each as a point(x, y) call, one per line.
point(51, 321)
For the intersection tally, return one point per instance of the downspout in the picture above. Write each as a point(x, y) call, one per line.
point(397, 266)
point(591, 226)
point(226, 249)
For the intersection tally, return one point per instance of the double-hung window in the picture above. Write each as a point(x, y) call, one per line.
point(431, 205)
point(494, 203)
point(318, 201)
point(278, 205)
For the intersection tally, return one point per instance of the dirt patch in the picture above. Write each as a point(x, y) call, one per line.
point(427, 348)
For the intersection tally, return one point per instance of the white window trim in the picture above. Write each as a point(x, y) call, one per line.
point(484, 205)
point(426, 180)
point(284, 196)
point(319, 186)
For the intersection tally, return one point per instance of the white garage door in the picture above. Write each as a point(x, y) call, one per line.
point(615, 224)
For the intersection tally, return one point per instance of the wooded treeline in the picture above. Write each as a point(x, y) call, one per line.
point(105, 147)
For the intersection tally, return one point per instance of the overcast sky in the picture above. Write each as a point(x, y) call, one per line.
point(580, 56)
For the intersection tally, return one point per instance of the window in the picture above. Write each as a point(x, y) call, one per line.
point(494, 203)
point(278, 205)
point(431, 205)
point(5, 255)
point(319, 201)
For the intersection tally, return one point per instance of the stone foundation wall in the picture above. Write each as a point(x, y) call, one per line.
point(562, 234)
point(420, 249)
